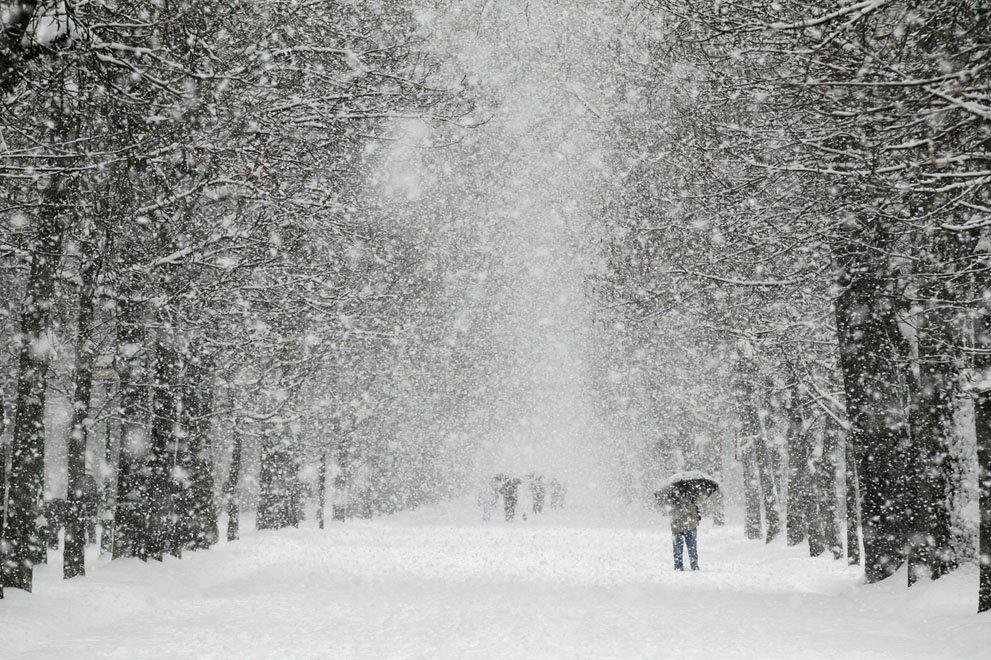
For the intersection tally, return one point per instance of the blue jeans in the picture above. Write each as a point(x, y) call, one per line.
point(690, 538)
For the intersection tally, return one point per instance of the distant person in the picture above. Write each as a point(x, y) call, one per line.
point(538, 492)
point(525, 501)
point(488, 497)
point(554, 486)
point(510, 494)
point(685, 517)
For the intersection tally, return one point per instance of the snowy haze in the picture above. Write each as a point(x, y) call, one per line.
point(446, 328)
point(533, 162)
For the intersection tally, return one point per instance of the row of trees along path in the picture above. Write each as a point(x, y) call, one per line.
point(798, 230)
point(181, 189)
point(802, 227)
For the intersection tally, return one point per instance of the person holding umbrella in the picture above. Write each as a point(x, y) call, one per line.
point(685, 517)
point(680, 500)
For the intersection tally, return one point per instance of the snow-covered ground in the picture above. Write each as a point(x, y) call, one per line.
point(437, 583)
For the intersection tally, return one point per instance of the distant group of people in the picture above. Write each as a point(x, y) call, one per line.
point(542, 490)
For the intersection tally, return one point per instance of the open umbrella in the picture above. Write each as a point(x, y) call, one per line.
point(686, 487)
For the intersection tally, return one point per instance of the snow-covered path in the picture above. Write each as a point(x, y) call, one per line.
point(439, 584)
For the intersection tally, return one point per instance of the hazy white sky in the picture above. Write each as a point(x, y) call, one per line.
point(533, 165)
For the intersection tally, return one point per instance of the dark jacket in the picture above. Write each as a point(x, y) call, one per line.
point(684, 516)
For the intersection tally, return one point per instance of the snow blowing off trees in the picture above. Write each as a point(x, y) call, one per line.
point(448, 328)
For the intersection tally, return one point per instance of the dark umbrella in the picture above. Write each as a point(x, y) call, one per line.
point(686, 487)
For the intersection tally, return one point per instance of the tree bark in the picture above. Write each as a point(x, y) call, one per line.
point(768, 483)
point(179, 464)
point(14, 48)
point(27, 473)
point(934, 467)
point(322, 489)
point(751, 490)
point(345, 478)
point(852, 506)
point(982, 428)
point(798, 458)
point(107, 515)
point(982, 424)
point(157, 503)
point(182, 523)
point(3, 473)
point(757, 455)
point(76, 506)
point(827, 488)
point(129, 518)
point(868, 337)
point(813, 519)
point(198, 409)
point(277, 484)
point(269, 513)
point(804, 521)
point(230, 488)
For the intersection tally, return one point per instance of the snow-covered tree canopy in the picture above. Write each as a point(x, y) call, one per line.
point(375, 254)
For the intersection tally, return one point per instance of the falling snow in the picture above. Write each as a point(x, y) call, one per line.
point(429, 328)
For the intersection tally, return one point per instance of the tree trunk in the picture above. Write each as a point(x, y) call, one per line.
point(157, 503)
point(803, 517)
point(982, 424)
point(27, 472)
point(14, 42)
point(277, 484)
point(269, 491)
point(129, 518)
point(751, 490)
point(918, 554)
point(798, 458)
point(107, 515)
point(852, 506)
point(3, 473)
point(182, 523)
point(198, 409)
point(868, 336)
point(813, 518)
point(322, 489)
point(76, 504)
point(768, 484)
point(827, 488)
point(345, 476)
point(230, 488)
point(758, 465)
point(982, 428)
point(934, 467)
point(179, 463)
